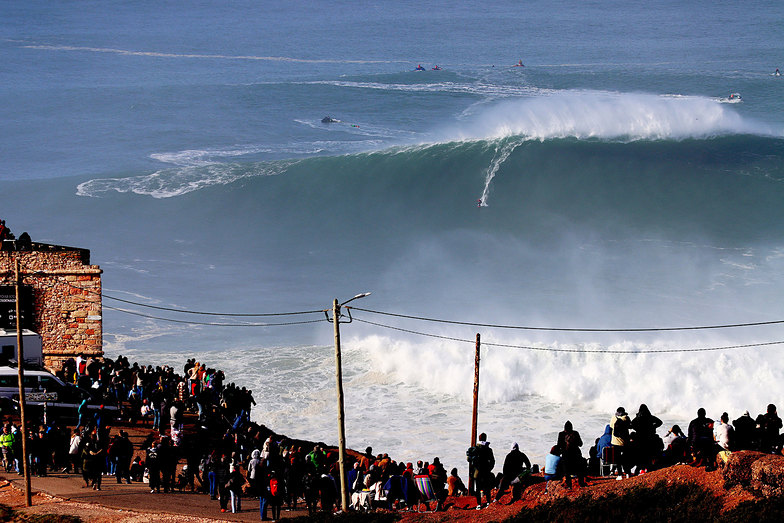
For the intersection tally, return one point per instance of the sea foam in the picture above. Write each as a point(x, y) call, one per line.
point(606, 116)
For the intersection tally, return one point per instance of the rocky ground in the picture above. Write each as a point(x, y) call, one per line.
point(461, 509)
point(464, 509)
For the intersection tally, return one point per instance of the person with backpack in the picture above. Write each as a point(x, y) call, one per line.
point(276, 493)
point(620, 425)
point(481, 460)
point(573, 463)
point(271, 494)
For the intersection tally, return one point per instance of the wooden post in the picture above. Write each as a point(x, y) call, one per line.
point(341, 423)
point(20, 367)
point(474, 413)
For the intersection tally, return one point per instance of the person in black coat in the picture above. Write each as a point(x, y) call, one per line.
point(515, 464)
point(701, 440)
point(573, 463)
point(769, 424)
point(481, 460)
point(745, 432)
point(649, 443)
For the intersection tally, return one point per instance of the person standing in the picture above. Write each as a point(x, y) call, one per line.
point(482, 461)
point(769, 424)
point(153, 463)
point(97, 458)
point(620, 425)
point(701, 440)
point(254, 474)
point(645, 425)
point(123, 453)
point(573, 463)
point(7, 445)
point(723, 432)
point(74, 451)
point(745, 432)
point(234, 485)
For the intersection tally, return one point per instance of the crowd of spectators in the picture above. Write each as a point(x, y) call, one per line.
point(201, 439)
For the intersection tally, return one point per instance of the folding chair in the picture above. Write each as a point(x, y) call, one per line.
point(426, 491)
point(608, 459)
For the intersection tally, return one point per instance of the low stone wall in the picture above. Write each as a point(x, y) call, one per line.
point(762, 474)
point(67, 299)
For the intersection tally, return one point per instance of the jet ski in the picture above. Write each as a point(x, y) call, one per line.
point(734, 98)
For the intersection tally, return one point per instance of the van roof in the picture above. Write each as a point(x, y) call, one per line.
point(12, 332)
point(5, 370)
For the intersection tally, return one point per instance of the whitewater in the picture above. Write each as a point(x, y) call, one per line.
point(573, 212)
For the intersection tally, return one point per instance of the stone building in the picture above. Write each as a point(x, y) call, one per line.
point(60, 298)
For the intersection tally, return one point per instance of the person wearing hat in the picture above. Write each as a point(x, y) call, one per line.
point(515, 464)
point(620, 425)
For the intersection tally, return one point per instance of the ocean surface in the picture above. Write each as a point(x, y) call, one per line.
point(609, 184)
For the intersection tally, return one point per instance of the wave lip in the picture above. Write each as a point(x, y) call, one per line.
point(607, 116)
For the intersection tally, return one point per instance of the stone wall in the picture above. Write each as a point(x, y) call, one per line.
point(67, 299)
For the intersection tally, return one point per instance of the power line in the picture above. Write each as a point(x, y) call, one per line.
point(212, 324)
point(583, 351)
point(204, 313)
point(567, 329)
point(434, 320)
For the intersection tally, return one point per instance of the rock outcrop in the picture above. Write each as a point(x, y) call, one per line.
point(762, 474)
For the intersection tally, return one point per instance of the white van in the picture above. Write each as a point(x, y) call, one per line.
point(43, 387)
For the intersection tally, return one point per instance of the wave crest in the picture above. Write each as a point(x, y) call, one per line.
point(608, 116)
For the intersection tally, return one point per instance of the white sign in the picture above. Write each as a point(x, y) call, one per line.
point(41, 396)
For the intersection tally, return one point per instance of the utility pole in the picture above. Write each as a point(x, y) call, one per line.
point(475, 412)
point(339, 381)
point(341, 423)
point(20, 367)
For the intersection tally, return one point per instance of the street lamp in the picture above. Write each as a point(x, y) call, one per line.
point(339, 379)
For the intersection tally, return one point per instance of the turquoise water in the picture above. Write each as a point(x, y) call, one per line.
point(608, 183)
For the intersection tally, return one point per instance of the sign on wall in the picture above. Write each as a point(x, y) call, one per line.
point(8, 307)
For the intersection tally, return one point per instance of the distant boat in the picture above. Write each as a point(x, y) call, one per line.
point(734, 98)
